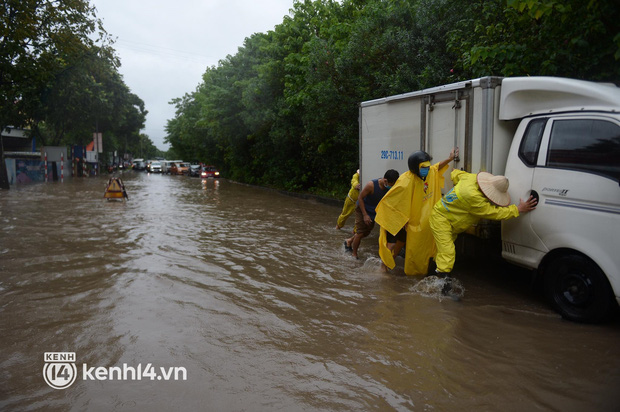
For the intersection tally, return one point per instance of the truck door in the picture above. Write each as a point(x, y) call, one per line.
point(446, 128)
point(576, 180)
point(578, 214)
point(572, 162)
point(521, 244)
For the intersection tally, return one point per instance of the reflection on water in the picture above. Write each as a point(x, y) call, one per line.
point(253, 294)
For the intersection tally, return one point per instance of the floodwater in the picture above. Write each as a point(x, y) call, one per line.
point(243, 299)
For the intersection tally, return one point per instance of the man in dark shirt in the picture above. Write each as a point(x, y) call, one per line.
point(368, 200)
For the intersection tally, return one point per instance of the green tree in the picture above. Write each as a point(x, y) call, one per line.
point(182, 131)
point(283, 111)
point(34, 37)
point(144, 148)
point(572, 38)
point(56, 80)
point(89, 95)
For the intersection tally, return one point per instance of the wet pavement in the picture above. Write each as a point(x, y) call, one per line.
point(244, 299)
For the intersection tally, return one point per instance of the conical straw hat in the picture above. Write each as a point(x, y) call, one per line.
point(495, 188)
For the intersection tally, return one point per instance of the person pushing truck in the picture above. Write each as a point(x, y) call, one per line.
point(556, 140)
point(473, 197)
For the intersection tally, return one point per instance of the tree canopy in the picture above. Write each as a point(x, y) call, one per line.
point(59, 77)
point(283, 110)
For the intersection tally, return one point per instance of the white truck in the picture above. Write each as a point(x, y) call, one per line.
point(555, 138)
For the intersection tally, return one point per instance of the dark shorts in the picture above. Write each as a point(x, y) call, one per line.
point(401, 236)
point(360, 226)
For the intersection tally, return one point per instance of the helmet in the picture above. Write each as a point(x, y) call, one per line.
point(415, 159)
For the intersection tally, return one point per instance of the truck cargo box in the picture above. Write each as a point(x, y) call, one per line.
point(463, 114)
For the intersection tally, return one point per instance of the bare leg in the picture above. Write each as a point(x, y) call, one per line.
point(355, 243)
point(349, 241)
point(396, 248)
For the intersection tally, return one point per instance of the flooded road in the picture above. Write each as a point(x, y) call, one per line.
point(249, 295)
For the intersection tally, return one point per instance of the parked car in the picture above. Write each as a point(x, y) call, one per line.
point(194, 170)
point(155, 167)
point(209, 171)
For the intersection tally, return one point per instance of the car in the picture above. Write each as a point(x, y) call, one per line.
point(172, 169)
point(155, 167)
point(209, 171)
point(166, 164)
point(138, 164)
point(179, 168)
point(184, 167)
point(194, 170)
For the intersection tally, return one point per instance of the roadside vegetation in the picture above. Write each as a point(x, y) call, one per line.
point(283, 111)
point(59, 78)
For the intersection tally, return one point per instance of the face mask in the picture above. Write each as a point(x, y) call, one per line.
point(424, 171)
point(388, 187)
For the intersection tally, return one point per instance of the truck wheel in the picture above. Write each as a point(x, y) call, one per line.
point(578, 289)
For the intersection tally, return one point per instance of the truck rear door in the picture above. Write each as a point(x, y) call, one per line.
point(446, 128)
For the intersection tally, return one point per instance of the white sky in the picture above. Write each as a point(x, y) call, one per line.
point(165, 46)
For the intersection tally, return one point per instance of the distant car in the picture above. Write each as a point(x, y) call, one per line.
point(173, 169)
point(184, 168)
point(138, 164)
point(179, 168)
point(155, 167)
point(194, 170)
point(165, 165)
point(209, 171)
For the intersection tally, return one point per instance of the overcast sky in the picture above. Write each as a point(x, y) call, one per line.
point(166, 45)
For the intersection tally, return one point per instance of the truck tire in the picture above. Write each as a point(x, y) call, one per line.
point(578, 289)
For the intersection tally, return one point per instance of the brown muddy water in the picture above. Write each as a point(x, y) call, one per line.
point(233, 298)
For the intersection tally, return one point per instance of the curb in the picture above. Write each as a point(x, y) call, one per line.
point(306, 196)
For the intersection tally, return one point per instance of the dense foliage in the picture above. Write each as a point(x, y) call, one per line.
point(60, 82)
point(283, 110)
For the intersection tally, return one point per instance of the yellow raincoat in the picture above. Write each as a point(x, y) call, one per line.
point(410, 202)
point(460, 208)
point(349, 202)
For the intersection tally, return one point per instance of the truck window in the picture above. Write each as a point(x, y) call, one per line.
point(586, 144)
point(528, 151)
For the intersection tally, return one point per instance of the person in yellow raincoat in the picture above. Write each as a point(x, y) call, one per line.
point(349, 202)
point(404, 212)
point(474, 197)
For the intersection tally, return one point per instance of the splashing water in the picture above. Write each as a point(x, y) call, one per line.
point(432, 287)
point(215, 278)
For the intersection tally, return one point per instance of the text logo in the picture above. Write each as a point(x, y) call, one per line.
point(59, 371)
point(561, 192)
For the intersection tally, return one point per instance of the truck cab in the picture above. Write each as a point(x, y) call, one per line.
point(566, 153)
